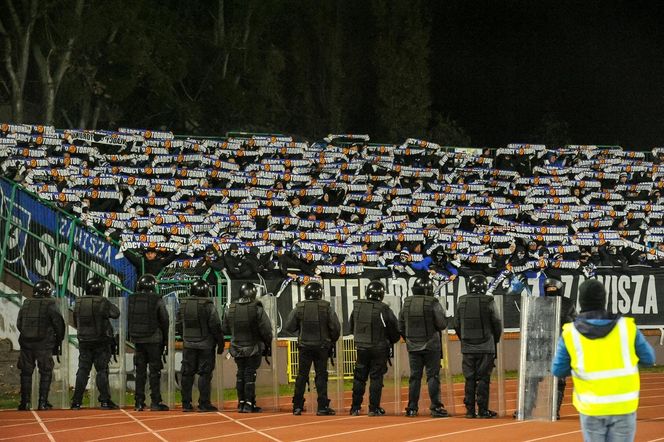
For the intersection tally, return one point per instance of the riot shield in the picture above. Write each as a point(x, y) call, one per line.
point(497, 387)
point(537, 393)
point(59, 387)
point(446, 384)
point(335, 369)
point(392, 390)
point(267, 384)
point(168, 372)
point(117, 367)
point(117, 370)
point(217, 383)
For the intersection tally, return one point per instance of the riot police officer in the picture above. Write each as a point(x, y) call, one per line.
point(251, 331)
point(200, 327)
point(421, 320)
point(375, 329)
point(148, 330)
point(478, 326)
point(92, 314)
point(42, 330)
point(318, 330)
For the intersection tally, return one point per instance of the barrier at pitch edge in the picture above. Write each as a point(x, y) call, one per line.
point(639, 294)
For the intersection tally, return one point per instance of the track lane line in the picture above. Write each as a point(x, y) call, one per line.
point(41, 424)
point(248, 427)
point(154, 433)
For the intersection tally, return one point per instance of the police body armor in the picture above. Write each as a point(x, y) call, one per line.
point(313, 315)
point(92, 324)
point(419, 319)
point(369, 329)
point(35, 318)
point(474, 310)
point(142, 317)
point(195, 318)
point(243, 317)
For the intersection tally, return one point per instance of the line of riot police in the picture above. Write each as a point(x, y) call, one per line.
point(421, 322)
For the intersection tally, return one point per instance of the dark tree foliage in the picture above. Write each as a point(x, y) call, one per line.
point(445, 70)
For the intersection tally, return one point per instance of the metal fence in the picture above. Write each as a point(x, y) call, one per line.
point(39, 240)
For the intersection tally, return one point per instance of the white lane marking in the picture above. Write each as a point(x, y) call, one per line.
point(41, 424)
point(248, 427)
point(154, 433)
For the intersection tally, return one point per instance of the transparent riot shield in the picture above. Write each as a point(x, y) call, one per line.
point(217, 385)
point(168, 372)
point(336, 375)
point(446, 384)
point(392, 390)
point(335, 370)
point(537, 393)
point(58, 394)
point(267, 383)
point(497, 399)
point(117, 369)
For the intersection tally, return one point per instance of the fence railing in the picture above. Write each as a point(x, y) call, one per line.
point(39, 240)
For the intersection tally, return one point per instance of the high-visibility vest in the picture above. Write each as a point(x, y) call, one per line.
point(605, 372)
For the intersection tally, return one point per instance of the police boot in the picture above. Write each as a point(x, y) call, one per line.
point(44, 387)
point(26, 391)
point(326, 410)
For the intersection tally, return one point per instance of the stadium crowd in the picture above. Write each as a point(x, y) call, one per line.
point(267, 203)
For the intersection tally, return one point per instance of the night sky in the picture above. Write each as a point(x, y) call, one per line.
point(499, 66)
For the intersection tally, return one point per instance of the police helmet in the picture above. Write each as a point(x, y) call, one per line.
point(477, 284)
point(248, 290)
point(376, 290)
point(42, 289)
point(146, 283)
point(200, 288)
point(313, 290)
point(94, 286)
point(423, 287)
point(553, 287)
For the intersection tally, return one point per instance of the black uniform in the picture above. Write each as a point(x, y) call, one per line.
point(148, 330)
point(199, 325)
point(95, 337)
point(421, 320)
point(42, 330)
point(479, 327)
point(318, 329)
point(251, 332)
point(375, 329)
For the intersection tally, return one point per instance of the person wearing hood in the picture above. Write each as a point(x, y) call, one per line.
point(602, 351)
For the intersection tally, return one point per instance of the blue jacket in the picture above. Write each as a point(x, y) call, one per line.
point(593, 327)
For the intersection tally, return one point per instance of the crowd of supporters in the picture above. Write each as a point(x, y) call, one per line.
point(255, 203)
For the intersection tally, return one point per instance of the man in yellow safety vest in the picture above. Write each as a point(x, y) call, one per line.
point(601, 350)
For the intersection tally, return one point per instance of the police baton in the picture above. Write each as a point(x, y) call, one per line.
point(390, 355)
point(57, 351)
point(333, 354)
point(165, 353)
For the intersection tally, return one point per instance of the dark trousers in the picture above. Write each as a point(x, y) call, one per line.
point(148, 356)
point(419, 361)
point(318, 357)
point(97, 353)
point(477, 369)
point(371, 364)
point(532, 390)
point(27, 360)
point(245, 381)
point(199, 362)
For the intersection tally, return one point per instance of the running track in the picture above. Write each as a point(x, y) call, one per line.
point(226, 425)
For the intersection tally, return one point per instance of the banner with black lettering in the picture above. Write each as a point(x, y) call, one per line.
point(40, 237)
point(635, 292)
